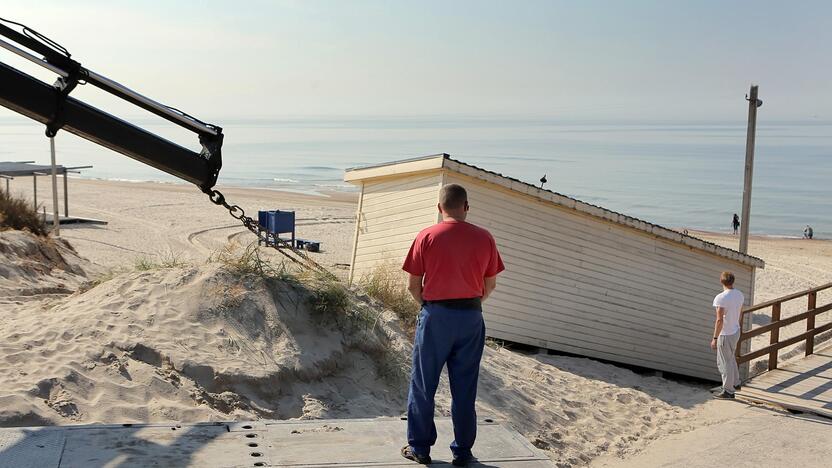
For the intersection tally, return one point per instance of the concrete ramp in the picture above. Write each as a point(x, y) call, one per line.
point(301, 444)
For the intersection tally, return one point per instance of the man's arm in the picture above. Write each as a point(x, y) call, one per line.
point(489, 284)
point(720, 318)
point(414, 285)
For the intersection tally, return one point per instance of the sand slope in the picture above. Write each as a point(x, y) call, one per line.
point(577, 408)
point(185, 344)
point(34, 266)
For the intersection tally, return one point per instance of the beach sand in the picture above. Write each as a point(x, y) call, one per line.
point(189, 343)
point(148, 220)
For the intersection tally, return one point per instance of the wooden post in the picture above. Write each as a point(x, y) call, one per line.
point(810, 324)
point(775, 337)
point(753, 104)
point(66, 197)
point(35, 189)
point(357, 233)
point(56, 219)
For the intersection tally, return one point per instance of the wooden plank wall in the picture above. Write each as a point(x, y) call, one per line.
point(393, 211)
point(590, 287)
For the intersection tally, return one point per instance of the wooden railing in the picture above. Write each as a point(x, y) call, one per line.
point(775, 344)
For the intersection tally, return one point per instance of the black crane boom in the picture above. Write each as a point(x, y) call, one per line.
point(52, 106)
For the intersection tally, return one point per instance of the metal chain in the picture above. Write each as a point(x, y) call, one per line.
point(237, 212)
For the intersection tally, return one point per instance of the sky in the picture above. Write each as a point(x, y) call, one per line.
point(577, 60)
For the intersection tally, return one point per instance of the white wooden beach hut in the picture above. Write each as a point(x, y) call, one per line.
point(579, 278)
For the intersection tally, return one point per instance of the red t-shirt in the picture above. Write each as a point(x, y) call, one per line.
point(454, 257)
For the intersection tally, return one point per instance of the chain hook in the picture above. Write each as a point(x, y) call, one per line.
point(216, 197)
point(236, 209)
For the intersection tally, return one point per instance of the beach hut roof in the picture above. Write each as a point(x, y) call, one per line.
point(22, 169)
point(444, 161)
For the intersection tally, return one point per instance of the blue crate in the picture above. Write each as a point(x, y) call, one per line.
point(281, 222)
point(263, 219)
point(274, 223)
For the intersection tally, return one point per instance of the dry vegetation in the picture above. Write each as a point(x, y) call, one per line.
point(387, 284)
point(17, 213)
point(249, 261)
point(326, 297)
point(167, 259)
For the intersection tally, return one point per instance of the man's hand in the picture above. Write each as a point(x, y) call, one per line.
point(718, 322)
point(490, 283)
point(414, 285)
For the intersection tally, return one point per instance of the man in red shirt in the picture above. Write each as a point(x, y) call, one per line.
point(453, 267)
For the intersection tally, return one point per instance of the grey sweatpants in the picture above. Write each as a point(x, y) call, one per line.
point(726, 361)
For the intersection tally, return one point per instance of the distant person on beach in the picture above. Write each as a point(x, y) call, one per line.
point(727, 329)
point(808, 233)
point(736, 223)
point(453, 267)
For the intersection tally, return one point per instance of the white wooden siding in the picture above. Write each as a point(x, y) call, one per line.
point(393, 210)
point(582, 285)
point(574, 282)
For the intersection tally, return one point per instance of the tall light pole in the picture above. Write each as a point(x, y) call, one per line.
point(753, 104)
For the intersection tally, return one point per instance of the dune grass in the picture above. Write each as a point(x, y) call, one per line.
point(166, 259)
point(250, 261)
point(387, 284)
point(17, 213)
point(327, 296)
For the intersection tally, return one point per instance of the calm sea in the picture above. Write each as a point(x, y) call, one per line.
point(682, 175)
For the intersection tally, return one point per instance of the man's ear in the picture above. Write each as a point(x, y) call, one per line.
point(439, 207)
point(466, 205)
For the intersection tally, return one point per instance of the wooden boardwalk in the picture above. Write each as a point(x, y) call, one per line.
point(803, 385)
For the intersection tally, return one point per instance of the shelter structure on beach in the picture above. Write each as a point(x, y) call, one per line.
point(579, 278)
point(9, 170)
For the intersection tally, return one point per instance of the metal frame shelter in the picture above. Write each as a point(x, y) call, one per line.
point(9, 170)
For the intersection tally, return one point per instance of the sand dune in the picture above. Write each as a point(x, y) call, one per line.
point(34, 267)
point(184, 344)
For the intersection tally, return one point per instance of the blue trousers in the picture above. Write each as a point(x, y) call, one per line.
point(456, 338)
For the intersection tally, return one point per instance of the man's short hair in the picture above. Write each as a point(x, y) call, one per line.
point(453, 197)
point(726, 278)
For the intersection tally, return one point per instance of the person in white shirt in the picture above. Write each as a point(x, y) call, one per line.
point(727, 329)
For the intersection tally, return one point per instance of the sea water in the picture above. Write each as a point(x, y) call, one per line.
point(678, 174)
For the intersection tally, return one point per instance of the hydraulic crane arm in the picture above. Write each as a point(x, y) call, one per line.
point(51, 105)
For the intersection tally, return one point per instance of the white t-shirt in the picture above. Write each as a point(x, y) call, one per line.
point(731, 300)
